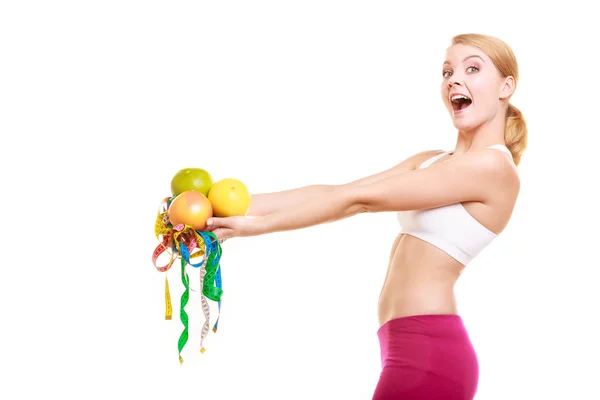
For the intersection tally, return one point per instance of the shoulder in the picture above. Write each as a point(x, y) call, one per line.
point(492, 168)
point(493, 161)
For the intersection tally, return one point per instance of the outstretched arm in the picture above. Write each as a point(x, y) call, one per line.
point(269, 203)
point(470, 177)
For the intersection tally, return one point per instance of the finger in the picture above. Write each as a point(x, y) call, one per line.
point(222, 233)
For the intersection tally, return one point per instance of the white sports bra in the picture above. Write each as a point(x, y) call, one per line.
point(450, 228)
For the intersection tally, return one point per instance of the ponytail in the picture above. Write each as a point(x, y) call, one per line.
point(515, 133)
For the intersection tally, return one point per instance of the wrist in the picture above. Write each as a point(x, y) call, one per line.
point(258, 226)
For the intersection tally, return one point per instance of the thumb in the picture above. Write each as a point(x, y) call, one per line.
point(214, 223)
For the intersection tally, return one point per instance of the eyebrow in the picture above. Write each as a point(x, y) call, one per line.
point(466, 58)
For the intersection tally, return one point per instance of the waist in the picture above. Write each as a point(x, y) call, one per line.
point(420, 280)
point(395, 302)
point(415, 262)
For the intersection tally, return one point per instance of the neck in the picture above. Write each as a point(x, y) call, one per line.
point(482, 136)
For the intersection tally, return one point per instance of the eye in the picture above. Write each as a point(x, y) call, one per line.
point(446, 74)
point(472, 68)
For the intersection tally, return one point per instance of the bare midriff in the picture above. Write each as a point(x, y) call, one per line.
point(420, 280)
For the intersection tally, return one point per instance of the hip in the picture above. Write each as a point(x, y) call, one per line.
point(425, 356)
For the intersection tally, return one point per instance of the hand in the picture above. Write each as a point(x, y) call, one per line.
point(228, 227)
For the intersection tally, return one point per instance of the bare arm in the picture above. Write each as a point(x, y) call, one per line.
point(269, 203)
point(472, 177)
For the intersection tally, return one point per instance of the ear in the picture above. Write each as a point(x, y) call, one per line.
point(507, 88)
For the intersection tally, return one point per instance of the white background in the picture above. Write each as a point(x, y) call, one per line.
point(102, 102)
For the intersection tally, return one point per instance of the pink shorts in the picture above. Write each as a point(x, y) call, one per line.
point(426, 357)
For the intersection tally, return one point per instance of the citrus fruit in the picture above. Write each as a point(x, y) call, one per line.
point(196, 179)
point(190, 208)
point(229, 197)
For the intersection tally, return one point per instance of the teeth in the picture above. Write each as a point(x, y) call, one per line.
point(458, 97)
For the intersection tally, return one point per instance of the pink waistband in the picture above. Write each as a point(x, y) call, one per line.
point(424, 323)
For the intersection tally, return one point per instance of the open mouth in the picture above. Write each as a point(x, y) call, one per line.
point(460, 102)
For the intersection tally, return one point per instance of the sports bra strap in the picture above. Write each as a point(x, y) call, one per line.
point(501, 147)
point(433, 159)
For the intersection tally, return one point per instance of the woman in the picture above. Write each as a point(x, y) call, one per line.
point(451, 205)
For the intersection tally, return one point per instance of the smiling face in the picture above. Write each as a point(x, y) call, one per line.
point(473, 89)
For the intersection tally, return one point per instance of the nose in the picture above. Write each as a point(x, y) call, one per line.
point(454, 81)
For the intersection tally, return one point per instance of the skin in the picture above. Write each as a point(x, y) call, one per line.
point(420, 278)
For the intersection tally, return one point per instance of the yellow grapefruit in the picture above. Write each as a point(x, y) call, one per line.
point(196, 179)
point(229, 197)
point(190, 208)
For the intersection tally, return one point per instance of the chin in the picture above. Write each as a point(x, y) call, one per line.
point(464, 126)
point(464, 122)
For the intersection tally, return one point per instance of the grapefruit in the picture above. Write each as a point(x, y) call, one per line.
point(196, 179)
point(229, 197)
point(190, 208)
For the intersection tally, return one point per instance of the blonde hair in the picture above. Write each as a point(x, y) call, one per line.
point(515, 131)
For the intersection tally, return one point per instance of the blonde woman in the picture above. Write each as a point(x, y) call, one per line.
point(450, 205)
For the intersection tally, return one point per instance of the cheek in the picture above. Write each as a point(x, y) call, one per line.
point(483, 86)
point(483, 92)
